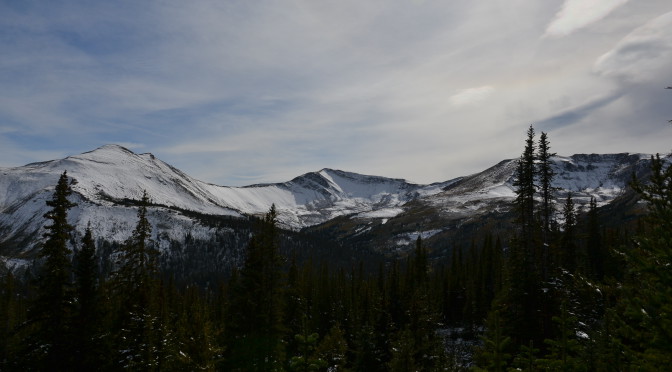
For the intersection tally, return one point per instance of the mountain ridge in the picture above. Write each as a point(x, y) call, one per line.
point(107, 177)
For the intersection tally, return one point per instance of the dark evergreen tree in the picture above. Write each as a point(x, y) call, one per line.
point(135, 282)
point(306, 359)
point(645, 330)
point(525, 190)
point(333, 349)
point(256, 330)
point(494, 353)
point(546, 175)
point(51, 311)
point(12, 315)
point(403, 354)
point(87, 348)
point(597, 256)
point(568, 251)
point(565, 349)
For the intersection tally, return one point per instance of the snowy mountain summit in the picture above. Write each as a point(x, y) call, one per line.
point(108, 179)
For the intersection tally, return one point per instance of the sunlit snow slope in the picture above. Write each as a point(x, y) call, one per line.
point(106, 179)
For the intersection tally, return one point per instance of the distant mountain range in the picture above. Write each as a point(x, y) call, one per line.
point(337, 204)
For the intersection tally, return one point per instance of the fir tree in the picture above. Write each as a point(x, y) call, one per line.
point(52, 309)
point(568, 252)
point(565, 348)
point(526, 189)
point(333, 349)
point(646, 325)
point(87, 317)
point(595, 249)
point(256, 306)
point(135, 286)
point(494, 354)
point(546, 175)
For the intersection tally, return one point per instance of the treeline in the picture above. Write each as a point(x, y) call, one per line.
point(561, 293)
point(575, 297)
point(275, 313)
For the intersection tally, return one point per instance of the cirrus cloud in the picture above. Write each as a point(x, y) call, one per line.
point(577, 14)
point(642, 55)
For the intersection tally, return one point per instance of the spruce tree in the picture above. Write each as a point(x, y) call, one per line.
point(595, 249)
point(568, 251)
point(546, 175)
point(52, 309)
point(526, 189)
point(256, 330)
point(333, 349)
point(135, 286)
point(87, 316)
point(646, 325)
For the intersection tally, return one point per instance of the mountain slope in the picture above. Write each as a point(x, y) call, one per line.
point(388, 212)
point(108, 179)
point(483, 202)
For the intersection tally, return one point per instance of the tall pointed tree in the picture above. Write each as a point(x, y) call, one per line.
point(595, 248)
point(52, 308)
point(135, 286)
point(525, 188)
point(568, 251)
point(87, 314)
point(546, 174)
point(256, 305)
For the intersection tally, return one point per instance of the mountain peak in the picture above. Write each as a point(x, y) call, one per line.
point(111, 147)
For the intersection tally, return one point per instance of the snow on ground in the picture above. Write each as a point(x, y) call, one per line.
point(386, 213)
point(410, 238)
point(14, 264)
point(112, 174)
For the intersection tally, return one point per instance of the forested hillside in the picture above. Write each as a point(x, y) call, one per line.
point(575, 291)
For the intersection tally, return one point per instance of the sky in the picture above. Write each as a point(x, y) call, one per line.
point(241, 92)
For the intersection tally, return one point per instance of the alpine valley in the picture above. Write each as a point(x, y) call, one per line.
point(330, 213)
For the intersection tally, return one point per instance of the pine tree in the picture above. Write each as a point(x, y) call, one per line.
point(494, 354)
point(257, 330)
point(87, 315)
point(135, 285)
point(546, 175)
point(526, 189)
point(12, 314)
point(333, 349)
point(568, 244)
point(306, 360)
point(565, 348)
point(595, 249)
point(52, 309)
point(646, 325)
point(403, 352)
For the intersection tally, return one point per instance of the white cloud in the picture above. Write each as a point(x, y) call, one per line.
point(642, 55)
point(236, 91)
point(577, 14)
point(471, 96)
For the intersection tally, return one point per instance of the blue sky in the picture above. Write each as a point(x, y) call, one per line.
point(242, 92)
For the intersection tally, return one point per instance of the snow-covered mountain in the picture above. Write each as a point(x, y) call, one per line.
point(108, 178)
point(483, 202)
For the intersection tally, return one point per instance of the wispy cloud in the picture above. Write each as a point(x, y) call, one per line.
point(471, 96)
point(642, 55)
point(575, 114)
point(577, 14)
point(237, 92)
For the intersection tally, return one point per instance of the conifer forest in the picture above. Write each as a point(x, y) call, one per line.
point(559, 292)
